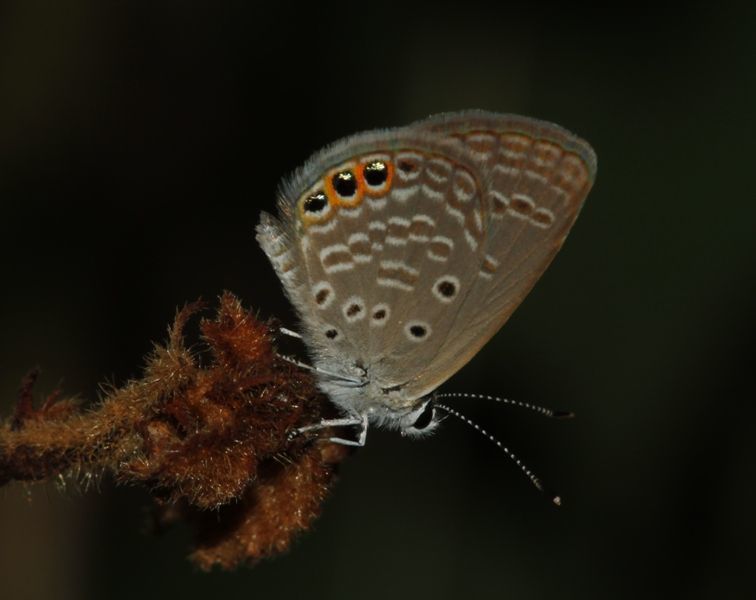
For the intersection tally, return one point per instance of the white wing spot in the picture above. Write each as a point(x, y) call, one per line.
point(489, 266)
point(322, 229)
point(421, 228)
point(500, 203)
point(399, 265)
point(464, 186)
point(336, 257)
point(431, 193)
point(359, 245)
point(446, 288)
point(351, 213)
point(536, 176)
point(478, 220)
point(542, 218)
point(380, 314)
point(559, 191)
point(397, 274)
point(439, 170)
point(377, 203)
point(417, 331)
point(416, 160)
point(402, 195)
point(480, 145)
point(401, 221)
point(424, 219)
point(353, 309)
point(550, 154)
point(506, 170)
point(324, 294)
point(334, 249)
point(471, 241)
point(511, 154)
point(440, 248)
point(521, 206)
point(358, 237)
point(398, 225)
point(331, 333)
point(338, 267)
point(456, 214)
point(394, 283)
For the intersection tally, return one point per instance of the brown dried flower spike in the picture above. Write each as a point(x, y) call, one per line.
point(210, 441)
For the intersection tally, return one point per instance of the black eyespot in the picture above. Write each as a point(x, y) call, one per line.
point(425, 418)
point(345, 184)
point(322, 295)
point(354, 309)
point(418, 331)
point(406, 166)
point(316, 202)
point(446, 288)
point(379, 314)
point(331, 334)
point(376, 173)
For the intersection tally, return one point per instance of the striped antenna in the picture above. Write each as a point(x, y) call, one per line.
point(534, 479)
point(541, 410)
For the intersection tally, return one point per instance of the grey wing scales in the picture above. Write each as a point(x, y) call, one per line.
point(377, 284)
point(410, 284)
point(536, 176)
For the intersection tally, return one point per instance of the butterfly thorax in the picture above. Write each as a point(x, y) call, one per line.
point(357, 393)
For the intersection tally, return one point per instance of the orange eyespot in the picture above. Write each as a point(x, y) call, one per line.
point(315, 207)
point(344, 187)
point(376, 174)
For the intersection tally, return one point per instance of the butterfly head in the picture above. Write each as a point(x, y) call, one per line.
point(393, 407)
point(421, 421)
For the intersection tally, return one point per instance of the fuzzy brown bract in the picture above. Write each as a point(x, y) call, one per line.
point(207, 431)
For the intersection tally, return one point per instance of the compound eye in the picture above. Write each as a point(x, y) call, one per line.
point(425, 418)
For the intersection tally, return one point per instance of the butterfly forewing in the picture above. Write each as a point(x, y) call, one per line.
point(536, 177)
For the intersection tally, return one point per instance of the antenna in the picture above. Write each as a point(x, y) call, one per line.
point(541, 410)
point(534, 479)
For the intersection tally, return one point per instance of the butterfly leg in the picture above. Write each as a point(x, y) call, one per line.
point(360, 441)
point(289, 332)
point(362, 421)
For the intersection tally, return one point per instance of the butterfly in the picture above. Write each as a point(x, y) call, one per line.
point(405, 250)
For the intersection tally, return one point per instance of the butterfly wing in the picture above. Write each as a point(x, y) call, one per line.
point(377, 276)
point(406, 281)
point(536, 176)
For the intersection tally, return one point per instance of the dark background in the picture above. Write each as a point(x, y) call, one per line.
point(140, 140)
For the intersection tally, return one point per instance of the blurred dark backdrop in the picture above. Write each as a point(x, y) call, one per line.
point(140, 140)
